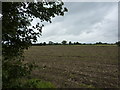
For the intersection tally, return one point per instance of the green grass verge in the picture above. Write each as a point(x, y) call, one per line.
point(36, 83)
point(31, 83)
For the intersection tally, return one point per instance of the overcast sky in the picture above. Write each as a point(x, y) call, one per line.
point(85, 22)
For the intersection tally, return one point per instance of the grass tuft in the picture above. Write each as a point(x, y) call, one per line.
point(36, 83)
point(86, 86)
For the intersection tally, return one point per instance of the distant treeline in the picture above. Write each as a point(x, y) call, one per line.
point(74, 43)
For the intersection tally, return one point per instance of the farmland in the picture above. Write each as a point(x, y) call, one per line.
point(70, 66)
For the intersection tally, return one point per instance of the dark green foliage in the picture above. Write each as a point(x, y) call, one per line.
point(64, 42)
point(44, 43)
point(118, 43)
point(16, 21)
point(98, 42)
point(70, 42)
point(51, 43)
point(76, 43)
point(18, 34)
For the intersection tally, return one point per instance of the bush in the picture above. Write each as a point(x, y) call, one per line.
point(118, 43)
point(36, 83)
point(31, 83)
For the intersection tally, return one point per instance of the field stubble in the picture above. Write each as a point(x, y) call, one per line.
point(76, 66)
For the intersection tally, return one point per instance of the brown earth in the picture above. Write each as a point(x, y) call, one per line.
point(76, 66)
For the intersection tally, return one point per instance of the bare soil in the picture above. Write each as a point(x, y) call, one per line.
point(70, 66)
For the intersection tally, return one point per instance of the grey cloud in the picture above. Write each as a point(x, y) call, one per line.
point(85, 22)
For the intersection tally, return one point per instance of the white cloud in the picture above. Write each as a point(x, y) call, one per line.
point(85, 22)
point(0, 15)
